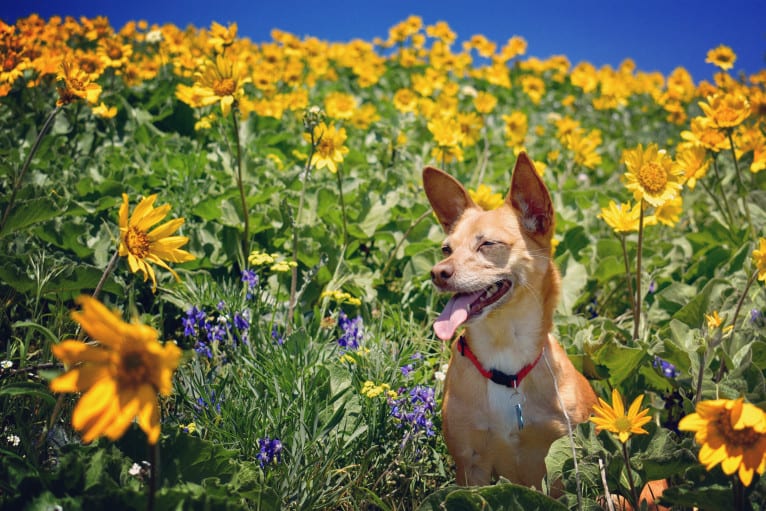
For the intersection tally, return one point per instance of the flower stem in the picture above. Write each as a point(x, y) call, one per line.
point(628, 276)
point(742, 190)
point(342, 210)
point(741, 300)
point(154, 460)
point(241, 186)
point(296, 222)
point(391, 257)
point(723, 194)
point(639, 249)
point(109, 268)
point(25, 165)
point(629, 472)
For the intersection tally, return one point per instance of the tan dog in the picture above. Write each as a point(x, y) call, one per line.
point(508, 377)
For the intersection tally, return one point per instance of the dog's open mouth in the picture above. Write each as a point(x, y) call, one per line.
point(464, 306)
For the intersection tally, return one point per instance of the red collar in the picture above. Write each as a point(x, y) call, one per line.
point(499, 377)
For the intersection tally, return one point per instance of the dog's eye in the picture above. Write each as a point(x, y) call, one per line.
point(446, 250)
point(487, 244)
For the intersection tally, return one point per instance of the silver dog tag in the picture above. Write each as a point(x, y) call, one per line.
point(517, 399)
point(519, 417)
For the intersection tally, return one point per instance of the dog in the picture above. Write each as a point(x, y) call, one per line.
point(510, 389)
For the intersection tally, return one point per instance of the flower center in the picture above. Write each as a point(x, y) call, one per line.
point(744, 437)
point(326, 146)
point(224, 87)
point(623, 424)
point(115, 53)
point(134, 368)
point(652, 177)
point(137, 242)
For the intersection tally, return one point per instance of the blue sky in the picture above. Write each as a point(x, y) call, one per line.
point(657, 35)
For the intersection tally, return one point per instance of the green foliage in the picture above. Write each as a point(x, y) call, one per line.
point(291, 398)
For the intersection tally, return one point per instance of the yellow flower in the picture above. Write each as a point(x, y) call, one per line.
point(584, 147)
point(283, 266)
point(405, 101)
point(341, 297)
point(651, 175)
point(613, 418)
point(726, 110)
point(340, 105)
point(77, 84)
point(622, 218)
point(484, 102)
point(694, 162)
point(732, 433)
point(329, 149)
point(516, 126)
point(759, 258)
point(534, 87)
point(371, 390)
point(703, 132)
point(484, 198)
point(142, 247)
point(119, 377)
point(221, 82)
point(105, 112)
point(220, 36)
point(113, 53)
point(669, 212)
point(722, 56)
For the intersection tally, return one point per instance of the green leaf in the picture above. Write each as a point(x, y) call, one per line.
point(29, 389)
point(26, 213)
point(621, 361)
point(503, 496)
point(693, 313)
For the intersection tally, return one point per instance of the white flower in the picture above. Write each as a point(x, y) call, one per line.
point(6, 364)
point(135, 470)
point(14, 440)
point(441, 374)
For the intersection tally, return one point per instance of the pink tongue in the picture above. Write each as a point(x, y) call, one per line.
point(455, 313)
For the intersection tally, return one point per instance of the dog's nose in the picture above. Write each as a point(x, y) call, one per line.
point(442, 272)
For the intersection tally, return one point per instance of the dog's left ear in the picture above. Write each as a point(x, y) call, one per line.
point(530, 197)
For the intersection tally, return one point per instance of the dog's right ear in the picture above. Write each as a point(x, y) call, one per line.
point(447, 196)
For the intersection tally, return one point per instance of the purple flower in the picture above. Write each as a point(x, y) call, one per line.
point(270, 451)
point(414, 409)
point(353, 331)
point(756, 318)
point(277, 336)
point(668, 369)
point(406, 370)
point(252, 280)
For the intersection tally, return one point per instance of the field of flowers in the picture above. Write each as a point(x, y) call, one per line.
point(215, 255)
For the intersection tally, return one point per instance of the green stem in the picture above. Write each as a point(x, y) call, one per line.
point(25, 165)
point(391, 257)
point(109, 268)
point(639, 249)
point(629, 471)
point(342, 210)
point(741, 300)
point(742, 190)
point(726, 217)
point(628, 276)
point(296, 222)
point(241, 186)
point(154, 461)
point(723, 194)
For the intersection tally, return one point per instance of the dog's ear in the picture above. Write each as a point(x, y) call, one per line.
point(530, 197)
point(447, 196)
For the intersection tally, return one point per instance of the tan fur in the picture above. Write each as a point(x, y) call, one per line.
point(514, 242)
